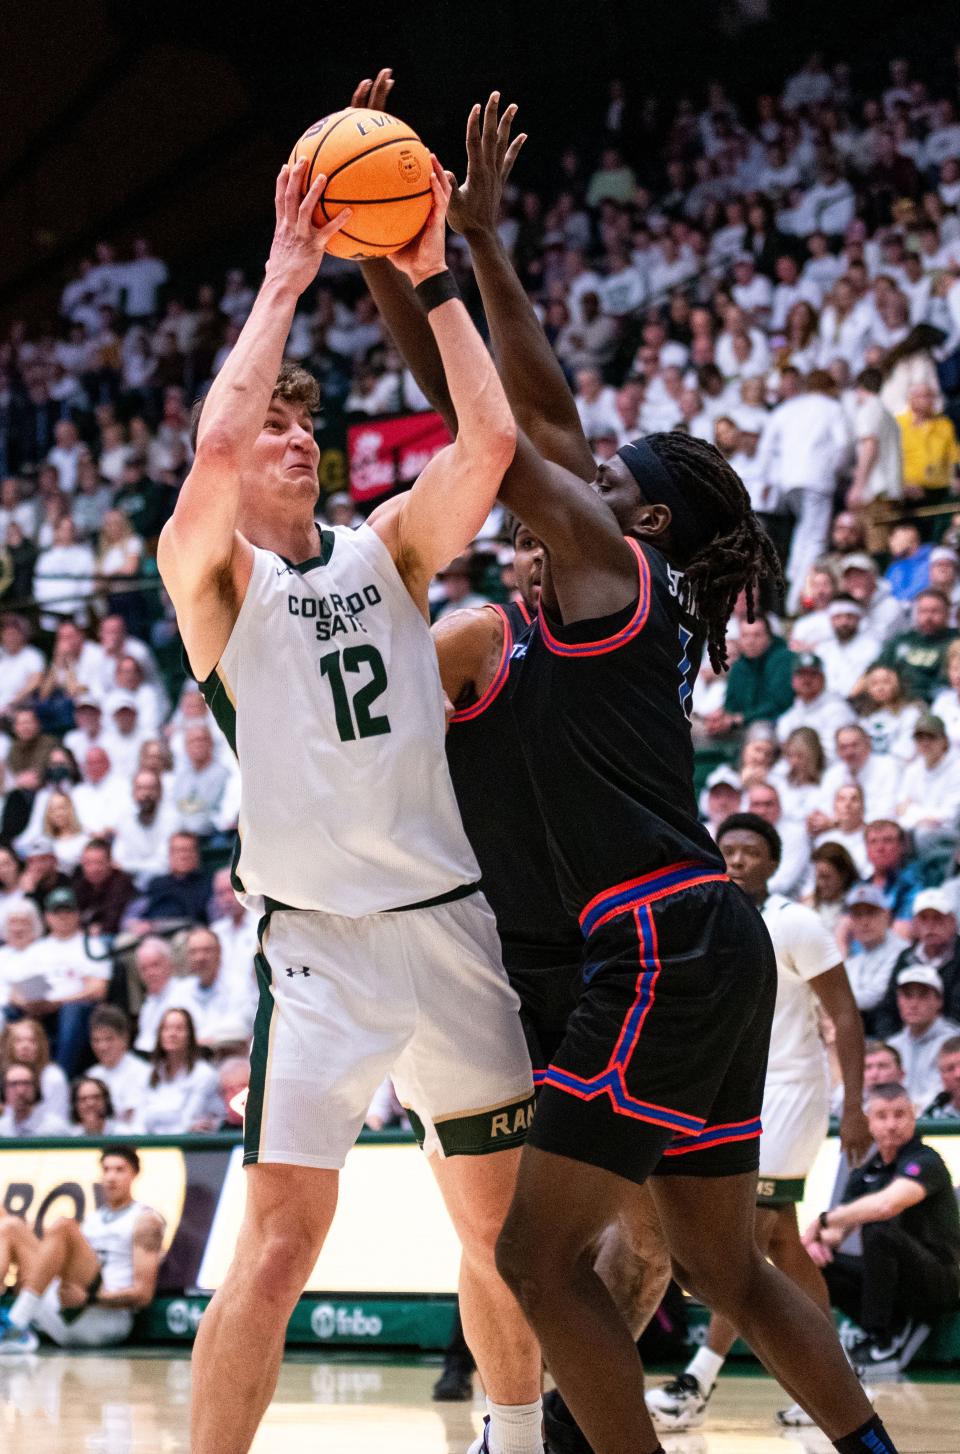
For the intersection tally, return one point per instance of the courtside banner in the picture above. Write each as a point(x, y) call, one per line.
point(385, 453)
point(388, 1272)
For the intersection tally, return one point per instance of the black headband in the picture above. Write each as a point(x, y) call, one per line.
point(690, 528)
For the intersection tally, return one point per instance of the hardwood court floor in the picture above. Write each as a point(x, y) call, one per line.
point(61, 1404)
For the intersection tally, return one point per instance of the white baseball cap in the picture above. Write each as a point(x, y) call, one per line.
point(938, 900)
point(921, 974)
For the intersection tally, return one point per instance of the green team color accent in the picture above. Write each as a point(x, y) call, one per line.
point(225, 716)
point(258, 1055)
point(426, 1323)
point(354, 659)
point(318, 1322)
point(780, 1191)
point(481, 1133)
point(327, 541)
point(224, 712)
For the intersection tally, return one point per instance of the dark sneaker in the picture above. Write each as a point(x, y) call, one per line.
point(878, 1358)
point(455, 1384)
point(563, 1433)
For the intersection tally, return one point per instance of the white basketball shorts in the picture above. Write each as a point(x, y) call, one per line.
point(795, 1119)
point(420, 996)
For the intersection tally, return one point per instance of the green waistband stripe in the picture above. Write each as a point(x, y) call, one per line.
point(462, 891)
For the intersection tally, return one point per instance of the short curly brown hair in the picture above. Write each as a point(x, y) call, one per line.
point(294, 385)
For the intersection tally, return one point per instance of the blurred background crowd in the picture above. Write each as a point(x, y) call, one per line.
point(779, 276)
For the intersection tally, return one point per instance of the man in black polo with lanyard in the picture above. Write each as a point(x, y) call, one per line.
point(903, 1203)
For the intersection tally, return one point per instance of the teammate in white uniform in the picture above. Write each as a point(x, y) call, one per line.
point(377, 953)
point(796, 1101)
point(82, 1282)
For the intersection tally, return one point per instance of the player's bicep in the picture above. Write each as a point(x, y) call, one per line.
point(467, 644)
point(563, 445)
point(832, 989)
point(200, 533)
point(446, 508)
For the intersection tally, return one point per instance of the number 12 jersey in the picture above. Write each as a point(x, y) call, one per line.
point(329, 693)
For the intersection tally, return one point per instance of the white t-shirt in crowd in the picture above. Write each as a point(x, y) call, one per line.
point(844, 662)
point(66, 964)
point(931, 794)
point(39, 1122)
point(143, 849)
point(176, 996)
point(806, 443)
point(826, 714)
point(885, 480)
point(16, 669)
point(126, 1081)
point(171, 1107)
point(880, 780)
point(55, 1090)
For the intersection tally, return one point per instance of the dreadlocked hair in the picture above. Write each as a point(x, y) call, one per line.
point(741, 559)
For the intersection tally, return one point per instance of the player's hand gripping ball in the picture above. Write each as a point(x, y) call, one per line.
point(375, 165)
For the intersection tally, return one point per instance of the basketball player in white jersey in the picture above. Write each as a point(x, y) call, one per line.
point(377, 953)
point(796, 1101)
point(82, 1282)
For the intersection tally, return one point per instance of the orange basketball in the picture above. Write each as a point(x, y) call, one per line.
point(376, 166)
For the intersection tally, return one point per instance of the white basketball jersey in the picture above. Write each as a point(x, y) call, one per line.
point(329, 693)
point(110, 1234)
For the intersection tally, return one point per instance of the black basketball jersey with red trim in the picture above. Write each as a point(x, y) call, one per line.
point(602, 709)
point(503, 820)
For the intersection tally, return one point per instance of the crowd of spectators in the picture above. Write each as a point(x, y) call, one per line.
point(780, 278)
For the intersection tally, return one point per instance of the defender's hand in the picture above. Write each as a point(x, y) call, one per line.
point(298, 245)
point(374, 94)
point(855, 1137)
point(475, 207)
point(426, 254)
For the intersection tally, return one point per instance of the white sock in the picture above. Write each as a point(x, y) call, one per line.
point(24, 1310)
point(705, 1365)
point(516, 1428)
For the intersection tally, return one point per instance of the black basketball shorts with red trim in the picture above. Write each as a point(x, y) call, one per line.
point(662, 1066)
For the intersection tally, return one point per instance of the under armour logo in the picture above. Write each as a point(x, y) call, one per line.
point(284, 570)
point(302, 970)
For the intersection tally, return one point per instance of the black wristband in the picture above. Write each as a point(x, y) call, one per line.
point(436, 290)
point(822, 1219)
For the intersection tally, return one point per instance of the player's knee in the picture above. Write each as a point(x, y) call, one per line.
point(281, 1264)
point(535, 1261)
point(686, 1278)
point(63, 1228)
point(724, 1285)
point(518, 1254)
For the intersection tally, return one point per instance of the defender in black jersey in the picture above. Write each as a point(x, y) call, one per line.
point(663, 1063)
point(666, 1050)
point(540, 939)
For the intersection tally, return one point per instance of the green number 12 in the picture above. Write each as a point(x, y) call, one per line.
point(354, 658)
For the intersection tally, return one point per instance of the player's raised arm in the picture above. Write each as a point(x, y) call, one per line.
point(455, 493)
point(393, 292)
point(200, 542)
point(536, 387)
